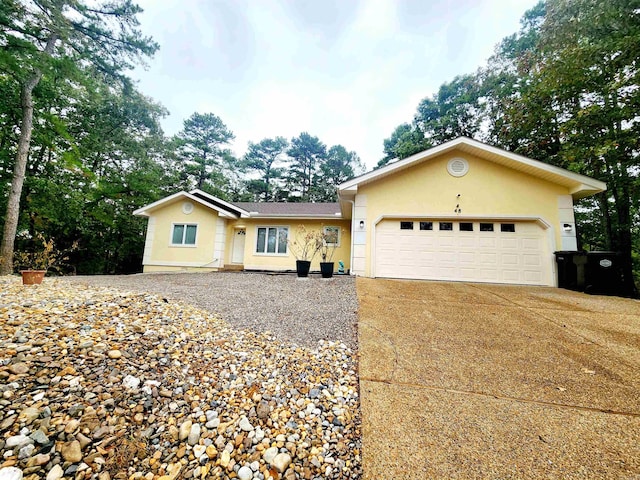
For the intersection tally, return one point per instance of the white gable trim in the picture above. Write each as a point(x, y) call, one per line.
point(231, 206)
point(580, 185)
point(146, 210)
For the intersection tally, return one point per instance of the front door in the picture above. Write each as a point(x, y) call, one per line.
point(237, 255)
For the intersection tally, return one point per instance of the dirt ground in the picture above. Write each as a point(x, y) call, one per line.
point(487, 381)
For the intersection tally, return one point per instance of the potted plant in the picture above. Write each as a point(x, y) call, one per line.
point(304, 247)
point(330, 238)
point(33, 265)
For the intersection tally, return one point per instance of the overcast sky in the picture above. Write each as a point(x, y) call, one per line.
point(346, 71)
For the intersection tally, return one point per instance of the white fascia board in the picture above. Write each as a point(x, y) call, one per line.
point(350, 191)
point(336, 216)
point(585, 182)
point(145, 211)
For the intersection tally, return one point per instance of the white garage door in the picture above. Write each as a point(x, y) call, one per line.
point(472, 251)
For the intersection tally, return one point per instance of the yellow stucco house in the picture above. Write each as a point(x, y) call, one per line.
point(461, 211)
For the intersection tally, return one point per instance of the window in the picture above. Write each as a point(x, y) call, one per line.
point(446, 226)
point(406, 225)
point(331, 236)
point(184, 234)
point(507, 227)
point(426, 225)
point(272, 240)
point(466, 226)
point(486, 227)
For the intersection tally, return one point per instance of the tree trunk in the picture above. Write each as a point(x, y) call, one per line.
point(624, 241)
point(20, 168)
point(267, 195)
point(603, 201)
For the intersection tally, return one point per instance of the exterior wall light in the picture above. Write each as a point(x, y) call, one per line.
point(567, 227)
point(361, 224)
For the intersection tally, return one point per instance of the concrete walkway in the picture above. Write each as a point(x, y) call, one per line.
point(485, 381)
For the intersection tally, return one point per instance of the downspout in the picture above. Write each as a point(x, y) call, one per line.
point(353, 209)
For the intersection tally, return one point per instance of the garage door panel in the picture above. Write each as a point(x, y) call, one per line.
point(511, 276)
point(489, 275)
point(468, 242)
point(445, 273)
point(426, 272)
point(531, 260)
point(531, 244)
point(531, 276)
point(509, 243)
point(445, 241)
point(426, 259)
point(404, 242)
point(509, 259)
point(501, 257)
point(468, 273)
point(450, 259)
point(484, 242)
point(488, 258)
point(468, 258)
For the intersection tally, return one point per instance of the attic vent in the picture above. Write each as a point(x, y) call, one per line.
point(458, 167)
point(187, 208)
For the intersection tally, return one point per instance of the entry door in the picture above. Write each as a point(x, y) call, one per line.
point(237, 255)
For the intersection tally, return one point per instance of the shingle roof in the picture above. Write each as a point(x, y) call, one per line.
point(282, 208)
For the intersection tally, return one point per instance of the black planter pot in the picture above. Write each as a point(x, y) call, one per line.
point(303, 267)
point(326, 268)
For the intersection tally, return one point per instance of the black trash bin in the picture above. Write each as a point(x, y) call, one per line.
point(604, 274)
point(571, 270)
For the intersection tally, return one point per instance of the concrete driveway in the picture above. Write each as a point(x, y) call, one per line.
point(487, 381)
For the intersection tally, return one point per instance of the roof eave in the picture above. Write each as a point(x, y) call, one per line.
point(586, 190)
point(585, 186)
point(144, 211)
point(147, 209)
point(348, 192)
point(224, 203)
point(267, 216)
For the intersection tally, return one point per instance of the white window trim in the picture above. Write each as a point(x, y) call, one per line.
point(339, 235)
point(274, 254)
point(183, 245)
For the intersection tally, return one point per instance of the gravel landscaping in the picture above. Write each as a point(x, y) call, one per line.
point(104, 383)
point(298, 311)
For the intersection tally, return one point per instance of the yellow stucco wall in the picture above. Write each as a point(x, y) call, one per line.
point(161, 255)
point(276, 262)
point(487, 190)
point(165, 269)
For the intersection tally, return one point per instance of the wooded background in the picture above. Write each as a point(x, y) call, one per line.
point(564, 89)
